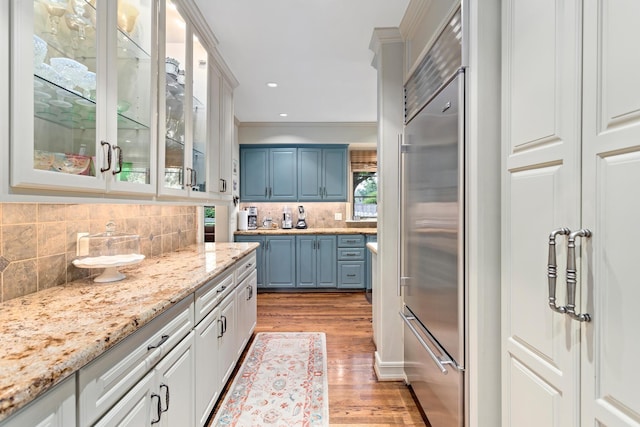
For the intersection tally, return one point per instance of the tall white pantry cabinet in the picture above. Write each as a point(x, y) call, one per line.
point(571, 168)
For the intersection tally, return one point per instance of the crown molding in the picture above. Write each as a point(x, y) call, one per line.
point(383, 36)
point(307, 124)
point(414, 14)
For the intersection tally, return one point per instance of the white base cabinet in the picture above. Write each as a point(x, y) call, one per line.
point(57, 408)
point(207, 380)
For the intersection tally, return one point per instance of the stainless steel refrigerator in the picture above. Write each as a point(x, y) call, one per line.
point(432, 256)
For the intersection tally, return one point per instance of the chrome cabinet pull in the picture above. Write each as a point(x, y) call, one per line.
point(572, 274)
point(163, 339)
point(166, 397)
point(103, 143)
point(552, 269)
point(159, 407)
point(117, 149)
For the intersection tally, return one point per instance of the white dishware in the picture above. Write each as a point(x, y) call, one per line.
point(39, 50)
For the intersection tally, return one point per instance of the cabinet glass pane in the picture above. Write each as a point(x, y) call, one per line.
point(135, 25)
point(175, 48)
point(64, 82)
point(200, 122)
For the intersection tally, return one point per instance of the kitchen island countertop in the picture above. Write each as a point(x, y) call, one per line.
point(48, 335)
point(294, 231)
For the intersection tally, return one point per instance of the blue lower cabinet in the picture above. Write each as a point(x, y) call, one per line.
point(351, 275)
point(259, 255)
point(316, 261)
point(280, 262)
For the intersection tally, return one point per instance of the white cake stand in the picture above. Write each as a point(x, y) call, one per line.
point(110, 263)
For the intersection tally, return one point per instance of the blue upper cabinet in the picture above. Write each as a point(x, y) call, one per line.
point(334, 174)
point(254, 174)
point(268, 174)
point(309, 174)
point(322, 174)
point(289, 174)
point(282, 171)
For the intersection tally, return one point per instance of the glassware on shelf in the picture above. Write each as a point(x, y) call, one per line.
point(39, 50)
point(88, 84)
point(171, 66)
point(55, 9)
point(127, 16)
point(70, 69)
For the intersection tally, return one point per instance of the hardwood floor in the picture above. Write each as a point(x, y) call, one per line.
point(355, 395)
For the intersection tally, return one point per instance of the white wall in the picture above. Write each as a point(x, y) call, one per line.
point(307, 133)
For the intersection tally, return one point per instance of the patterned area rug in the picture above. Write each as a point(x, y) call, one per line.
point(282, 382)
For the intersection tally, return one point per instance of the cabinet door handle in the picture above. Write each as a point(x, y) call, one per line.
point(118, 150)
point(552, 269)
point(166, 398)
point(269, 192)
point(224, 321)
point(221, 328)
point(163, 339)
point(266, 191)
point(103, 143)
point(159, 408)
point(194, 179)
point(571, 276)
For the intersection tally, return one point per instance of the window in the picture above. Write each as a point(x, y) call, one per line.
point(365, 195)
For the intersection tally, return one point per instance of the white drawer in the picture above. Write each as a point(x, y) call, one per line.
point(245, 266)
point(105, 380)
point(210, 295)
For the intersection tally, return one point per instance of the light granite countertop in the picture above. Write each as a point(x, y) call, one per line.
point(294, 231)
point(47, 336)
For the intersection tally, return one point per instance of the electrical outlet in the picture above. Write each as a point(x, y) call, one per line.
point(82, 246)
point(338, 216)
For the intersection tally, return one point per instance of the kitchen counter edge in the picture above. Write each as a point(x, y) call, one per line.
point(296, 231)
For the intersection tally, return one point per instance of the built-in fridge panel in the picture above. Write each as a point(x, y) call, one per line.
point(432, 253)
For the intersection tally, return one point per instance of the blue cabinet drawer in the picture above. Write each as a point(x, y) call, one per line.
point(351, 241)
point(350, 254)
point(351, 274)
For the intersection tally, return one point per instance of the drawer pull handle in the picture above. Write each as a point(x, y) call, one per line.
point(222, 288)
point(351, 241)
point(350, 254)
point(166, 397)
point(159, 408)
point(163, 339)
point(351, 275)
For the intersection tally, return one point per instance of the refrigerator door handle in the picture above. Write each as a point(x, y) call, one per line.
point(552, 269)
point(572, 276)
point(438, 361)
point(402, 148)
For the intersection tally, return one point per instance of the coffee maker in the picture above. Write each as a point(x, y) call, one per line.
point(252, 218)
point(286, 218)
point(302, 223)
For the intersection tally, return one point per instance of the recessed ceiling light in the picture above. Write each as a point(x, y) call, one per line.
point(283, 114)
point(272, 84)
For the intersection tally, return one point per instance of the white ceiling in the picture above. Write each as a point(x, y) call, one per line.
point(316, 50)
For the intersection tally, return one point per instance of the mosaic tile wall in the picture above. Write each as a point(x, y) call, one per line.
point(38, 240)
point(319, 214)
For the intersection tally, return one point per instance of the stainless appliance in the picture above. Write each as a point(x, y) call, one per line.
point(287, 222)
point(432, 255)
point(302, 218)
point(252, 218)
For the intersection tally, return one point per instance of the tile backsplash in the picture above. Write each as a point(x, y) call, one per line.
point(38, 240)
point(319, 214)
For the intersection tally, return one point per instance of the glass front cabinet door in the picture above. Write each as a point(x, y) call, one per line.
point(83, 95)
point(185, 92)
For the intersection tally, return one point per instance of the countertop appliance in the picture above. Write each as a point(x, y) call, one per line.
point(252, 218)
point(432, 251)
point(287, 222)
point(302, 218)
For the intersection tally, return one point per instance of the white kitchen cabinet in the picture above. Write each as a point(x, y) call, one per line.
point(83, 92)
point(207, 381)
point(164, 396)
point(246, 294)
point(570, 137)
point(104, 381)
point(56, 408)
point(227, 338)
